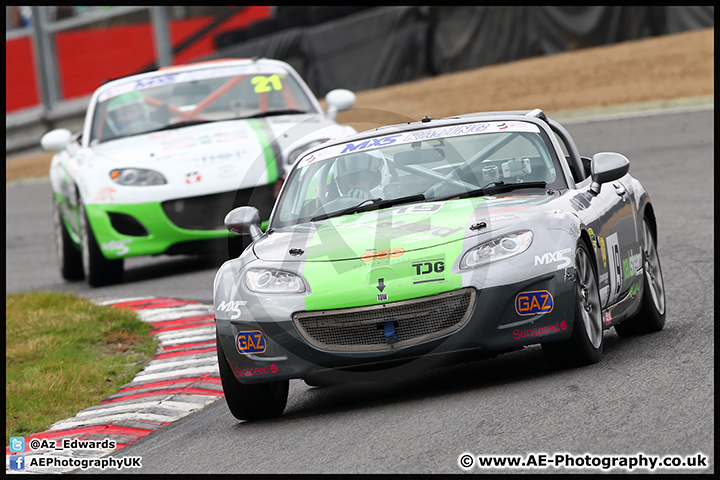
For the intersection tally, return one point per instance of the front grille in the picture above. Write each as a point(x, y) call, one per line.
point(367, 328)
point(207, 212)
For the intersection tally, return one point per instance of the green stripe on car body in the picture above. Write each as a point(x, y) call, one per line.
point(269, 148)
point(407, 255)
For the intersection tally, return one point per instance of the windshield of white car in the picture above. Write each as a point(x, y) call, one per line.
point(434, 164)
point(180, 99)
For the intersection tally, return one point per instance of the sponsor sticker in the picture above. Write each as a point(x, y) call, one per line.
point(249, 342)
point(539, 331)
point(120, 245)
point(534, 303)
point(560, 257)
point(420, 135)
point(381, 254)
point(431, 270)
point(105, 194)
point(233, 306)
point(251, 372)
point(632, 265)
point(192, 177)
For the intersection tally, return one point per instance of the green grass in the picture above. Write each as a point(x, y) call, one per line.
point(64, 354)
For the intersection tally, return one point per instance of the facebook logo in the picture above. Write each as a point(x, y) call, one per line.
point(17, 444)
point(17, 462)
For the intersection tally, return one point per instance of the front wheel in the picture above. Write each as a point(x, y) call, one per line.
point(585, 345)
point(252, 401)
point(651, 317)
point(69, 258)
point(98, 270)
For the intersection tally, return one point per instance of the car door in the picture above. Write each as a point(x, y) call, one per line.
point(610, 217)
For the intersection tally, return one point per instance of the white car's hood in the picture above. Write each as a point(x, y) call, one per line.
point(218, 156)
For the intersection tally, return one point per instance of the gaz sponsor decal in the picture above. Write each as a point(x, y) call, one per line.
point(250, 342)
point(233, 307)
point(119, 246)
point(534, 303)
point(561, 257)
point(539, 331)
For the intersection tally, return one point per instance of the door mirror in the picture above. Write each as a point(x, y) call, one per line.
point(339, 100)
point(606, 167)
point(56, 140)
point(244, 221)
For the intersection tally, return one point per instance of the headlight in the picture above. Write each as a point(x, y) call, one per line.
point(137, 177)
point(296, 153)
point(273, 281)
point(497, 249)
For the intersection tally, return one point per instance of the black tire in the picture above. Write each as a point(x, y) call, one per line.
point(69, 257)
point(651, 317)
point(98, 270)
point(254, 401)
point(585, 345)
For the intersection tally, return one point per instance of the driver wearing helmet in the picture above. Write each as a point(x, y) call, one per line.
point(128, 113)
point(358, 174)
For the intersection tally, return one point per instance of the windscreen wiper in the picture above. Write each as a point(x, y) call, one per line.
point(186, 123)
point(271, 113)
point(345, 211)
point(495, 187)
point(375, 203)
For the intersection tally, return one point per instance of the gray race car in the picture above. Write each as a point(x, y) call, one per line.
point(410, 246)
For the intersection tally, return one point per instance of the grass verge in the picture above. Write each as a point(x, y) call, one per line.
point(64, 354)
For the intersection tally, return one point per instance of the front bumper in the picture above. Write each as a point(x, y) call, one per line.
point(496, 320)
point(183, 225)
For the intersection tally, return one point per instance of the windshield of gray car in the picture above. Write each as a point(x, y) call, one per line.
point(181, 98)
point(422, 165)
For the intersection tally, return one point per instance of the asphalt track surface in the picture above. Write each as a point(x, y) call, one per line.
point(651, 395)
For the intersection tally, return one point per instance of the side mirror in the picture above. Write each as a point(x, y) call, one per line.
point(56, 140)
point(244, 221)
point(606, 167)
point(339, 100)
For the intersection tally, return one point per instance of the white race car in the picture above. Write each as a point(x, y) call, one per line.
point(164, 155)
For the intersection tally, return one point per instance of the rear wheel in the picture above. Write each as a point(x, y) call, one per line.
point(98, 270)
point(69, 258)
point(253, 401)
point(651, 317)
point(585, 345)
